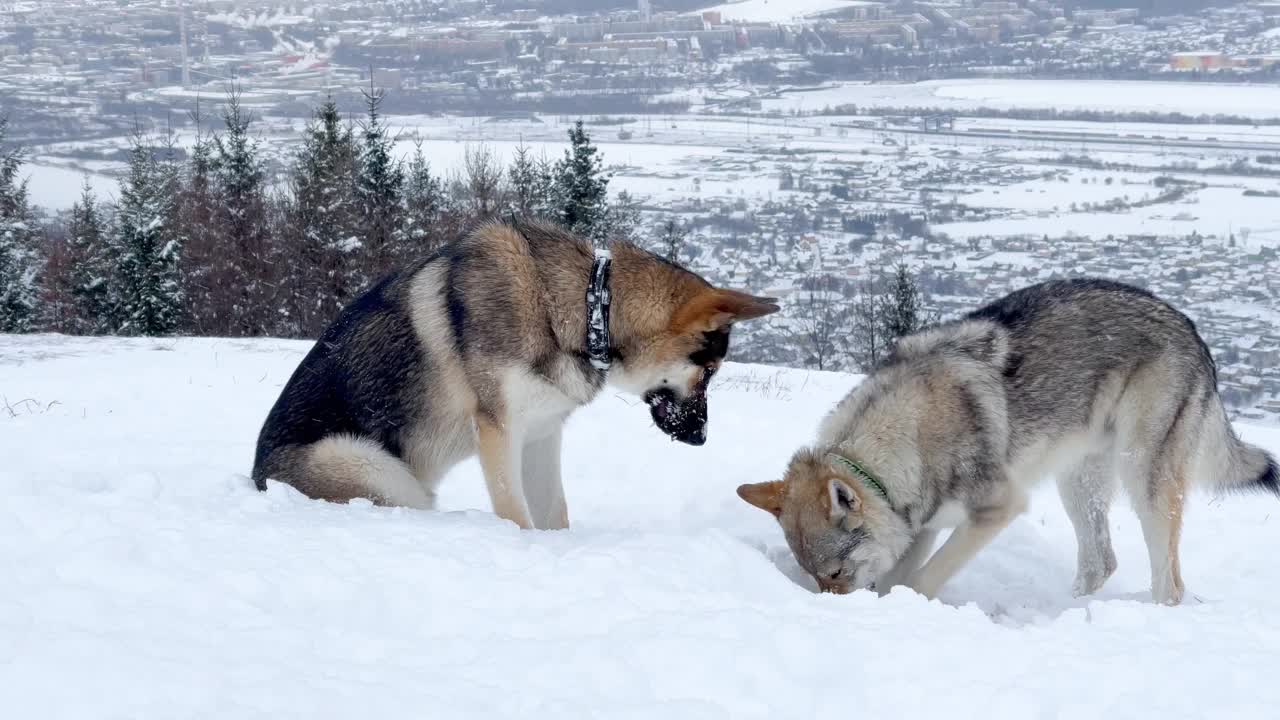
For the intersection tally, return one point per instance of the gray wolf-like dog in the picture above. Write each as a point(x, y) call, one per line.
point(1088, 381)
point(485, 348)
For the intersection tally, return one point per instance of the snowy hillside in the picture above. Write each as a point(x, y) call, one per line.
point(143, 577)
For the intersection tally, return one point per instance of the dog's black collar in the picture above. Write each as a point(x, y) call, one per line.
point(598, 298)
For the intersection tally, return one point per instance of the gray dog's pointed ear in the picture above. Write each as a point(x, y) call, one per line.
point(844, 500)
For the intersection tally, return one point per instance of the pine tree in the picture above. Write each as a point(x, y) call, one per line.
point(671, 243)
point(55, 303)
point(484, 183)
point(881, 317)
point(522, 177)
point(901, 311)
point(583, 187)
point(546, 192)
point(622, 219)
point(147, 272)
point(322, 223)
point(19, 261)
point(92, 270)
point(197, 224)
point(379, 184)
point(423, 205)
point(244, 276)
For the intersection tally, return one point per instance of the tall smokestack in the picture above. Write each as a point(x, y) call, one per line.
point(645, 12)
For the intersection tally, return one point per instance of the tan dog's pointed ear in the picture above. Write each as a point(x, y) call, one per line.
point(766, 496)
point(716, 308)
point(749, 307)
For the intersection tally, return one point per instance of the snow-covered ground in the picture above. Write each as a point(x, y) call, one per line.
point(58, 188)
point(1221, 210)
point(143, 577)
point(1102, 95)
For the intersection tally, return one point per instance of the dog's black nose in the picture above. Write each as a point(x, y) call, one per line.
point(699, 437)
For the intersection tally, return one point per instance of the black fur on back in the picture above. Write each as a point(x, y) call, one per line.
point(355, 378)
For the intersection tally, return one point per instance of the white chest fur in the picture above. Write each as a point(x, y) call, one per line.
point(534, 405)
point(948, 515)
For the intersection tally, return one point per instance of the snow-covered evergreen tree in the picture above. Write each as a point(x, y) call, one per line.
point(202, 253)
point(583, 187)
point(901, 309)
point(322, 223)
point(244, 278)
point(379, 184)
point(423, 205)
point(671, 241)
point(19, 260)
point(547, 195)
point(484, 183)
point(54, 303)
point(885, 310)
point(92, 267)
point(522, 177)
point(147, 270)
point(622, 219)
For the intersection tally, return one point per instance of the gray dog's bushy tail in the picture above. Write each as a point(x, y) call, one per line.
point(1254, 469)
point(1229, 464)
point(1269, 480)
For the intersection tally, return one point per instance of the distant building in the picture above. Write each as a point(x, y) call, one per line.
point(1106, 18)
point(391, 78)
point(1256, 61)
point(1199, 60)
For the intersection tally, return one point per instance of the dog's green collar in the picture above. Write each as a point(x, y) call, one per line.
point(861, 473)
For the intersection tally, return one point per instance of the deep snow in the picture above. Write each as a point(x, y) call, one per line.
point(143, 577)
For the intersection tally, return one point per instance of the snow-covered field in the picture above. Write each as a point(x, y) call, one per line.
point(1222, 210)
point(58, 188)
point(144, 577)
point(1103, 95)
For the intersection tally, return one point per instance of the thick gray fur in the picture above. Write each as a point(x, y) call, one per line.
point(1088, 381)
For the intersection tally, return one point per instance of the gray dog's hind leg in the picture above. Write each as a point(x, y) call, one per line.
point(1086, 493)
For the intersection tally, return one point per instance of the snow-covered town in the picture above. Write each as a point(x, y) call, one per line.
point(71, 63)
point(986, 145)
